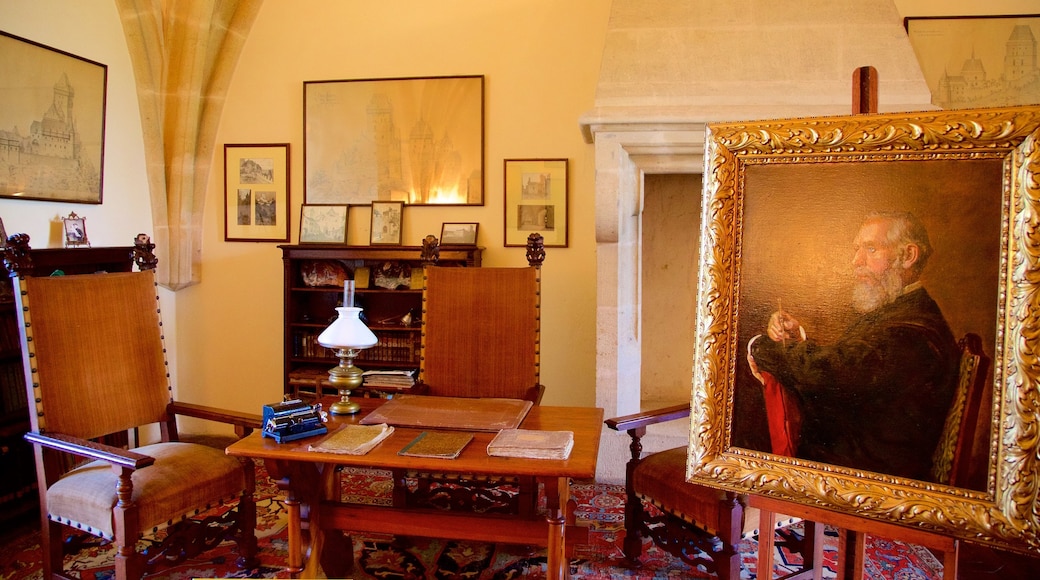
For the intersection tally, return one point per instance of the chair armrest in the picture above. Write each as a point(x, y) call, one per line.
point(90, 449)
point(244, 423)
point(641, 420)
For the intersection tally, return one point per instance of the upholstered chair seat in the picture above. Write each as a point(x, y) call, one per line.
point(183, 480)
point(715, 512)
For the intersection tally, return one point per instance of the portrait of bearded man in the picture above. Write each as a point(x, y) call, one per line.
point(876, 397)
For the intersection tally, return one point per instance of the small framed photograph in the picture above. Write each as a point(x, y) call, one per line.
point(536, 201)
point(323, 224)
point(386, 223)
point(459, 234)
point(256, 192)
point(75, 231)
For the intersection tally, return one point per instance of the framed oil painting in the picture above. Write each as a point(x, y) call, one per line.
point(419, 141)
point(841, 260)
point(536, 201)
point(256, 192)
point(323, 224)
point(52, 110)
point(978, 61)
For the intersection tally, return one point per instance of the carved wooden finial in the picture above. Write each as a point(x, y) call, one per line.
point(535, 250)
point(143, 254)
point(431, 250)
point(16, 255)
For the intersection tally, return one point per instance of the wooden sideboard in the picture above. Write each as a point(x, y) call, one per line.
point(389, 289)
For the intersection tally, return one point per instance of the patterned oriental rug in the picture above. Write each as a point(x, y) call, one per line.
point(382, 557)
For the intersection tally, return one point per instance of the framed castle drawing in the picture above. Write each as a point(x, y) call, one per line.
point(841, 259)
point(419, 141)
point(52, 111)
point(978, 61)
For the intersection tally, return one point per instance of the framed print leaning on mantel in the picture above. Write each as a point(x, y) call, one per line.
point(536, 201)
point(323, 224)
point(52, 107)
point(417, 140)
point(386, 223)
point(256, 192)
point(841, 258)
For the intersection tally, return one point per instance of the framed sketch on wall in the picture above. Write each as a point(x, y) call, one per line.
point(536, 201)
point(256, 192)
point(978, 61)
point(851, 306)
point(52, 106)
point(416, 140)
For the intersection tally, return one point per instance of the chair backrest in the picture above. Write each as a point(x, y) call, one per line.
point(954, 460)
point(93, 352)
point(481, 331)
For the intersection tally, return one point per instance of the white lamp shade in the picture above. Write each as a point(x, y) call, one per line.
point(347, 331)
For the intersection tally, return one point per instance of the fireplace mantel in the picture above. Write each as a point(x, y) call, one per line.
point(669, 69)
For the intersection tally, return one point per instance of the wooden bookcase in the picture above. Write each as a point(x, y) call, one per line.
point(388, 286)
point(18, 486)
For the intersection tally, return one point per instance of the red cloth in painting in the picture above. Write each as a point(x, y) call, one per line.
point(782, 414)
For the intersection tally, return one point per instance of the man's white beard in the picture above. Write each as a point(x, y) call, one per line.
point(877, 291)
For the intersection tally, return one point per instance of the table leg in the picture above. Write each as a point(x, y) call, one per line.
point(305, 485)
point(557, 493)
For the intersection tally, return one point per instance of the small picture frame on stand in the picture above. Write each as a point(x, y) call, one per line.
point(75, 231)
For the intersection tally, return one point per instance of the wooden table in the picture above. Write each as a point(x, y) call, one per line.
point(311, 483)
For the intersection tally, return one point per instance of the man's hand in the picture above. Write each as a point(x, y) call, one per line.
point(783, 327)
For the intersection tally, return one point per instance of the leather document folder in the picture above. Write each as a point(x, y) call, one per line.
point(460, 413)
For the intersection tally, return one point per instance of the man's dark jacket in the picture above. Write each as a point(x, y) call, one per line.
point(877, 398)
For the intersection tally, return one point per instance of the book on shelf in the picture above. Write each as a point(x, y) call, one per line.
point(437, 444)
point(354, 439)
point(532, 444)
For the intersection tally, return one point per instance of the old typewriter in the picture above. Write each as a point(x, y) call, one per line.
point(291, 420)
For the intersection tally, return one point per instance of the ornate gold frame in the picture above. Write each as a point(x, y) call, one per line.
point(1003, 514)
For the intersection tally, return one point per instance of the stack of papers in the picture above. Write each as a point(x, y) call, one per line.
point(532, 444)
point(403, 379)
point(354, 439)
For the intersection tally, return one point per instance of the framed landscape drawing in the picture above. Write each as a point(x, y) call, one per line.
point(536, 201)
point(52, 108)
point(256, 192)
point(828, 242)
point(323, 224)
point(978, 61)
point(416, 140)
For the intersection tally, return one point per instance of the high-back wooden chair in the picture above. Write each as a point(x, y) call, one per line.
point(95, 365)
point(954, 462)
point(480, 338)
point(480, 329)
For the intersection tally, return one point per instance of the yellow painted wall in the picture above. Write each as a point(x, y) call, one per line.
point(541, 62)
point(540, 59)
